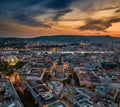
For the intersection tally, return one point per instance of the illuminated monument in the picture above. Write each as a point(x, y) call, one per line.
point(60, 69)
point(12, 60)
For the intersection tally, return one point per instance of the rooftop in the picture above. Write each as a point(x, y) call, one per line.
point(58, 104)
point(8, 95)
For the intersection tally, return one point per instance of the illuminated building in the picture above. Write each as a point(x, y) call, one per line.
point(12, 60)
point(60, 69)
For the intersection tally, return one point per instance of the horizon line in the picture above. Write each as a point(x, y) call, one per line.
point(62, 35)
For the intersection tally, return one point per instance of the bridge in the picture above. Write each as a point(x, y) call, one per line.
point(75, 52)
point(61, 52)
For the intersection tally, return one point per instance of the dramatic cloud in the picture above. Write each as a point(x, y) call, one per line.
point(58, 4)
point(25, 19)
point(109, 8)
point(99, 25)
point(94, 5)
point(33, 2)
point(61, 13)
point(95, 25)
point(56, 16)
point(118, 10)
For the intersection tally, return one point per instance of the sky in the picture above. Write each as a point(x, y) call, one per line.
point(32, 18)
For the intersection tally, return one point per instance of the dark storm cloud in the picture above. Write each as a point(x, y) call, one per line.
point(7, 1)
point(32, 8)
point(51, 4)
point(26, 1)
point(22, 12)
point(33, 2)
point(58, 4)
point(98, 25)
point(25, 19)
point(61, 7)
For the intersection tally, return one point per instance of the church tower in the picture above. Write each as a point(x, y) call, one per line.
point(60, 69)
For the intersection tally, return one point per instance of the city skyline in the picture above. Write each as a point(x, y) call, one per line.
point(32, 18)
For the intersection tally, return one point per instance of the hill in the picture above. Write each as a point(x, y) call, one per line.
point(66, 38)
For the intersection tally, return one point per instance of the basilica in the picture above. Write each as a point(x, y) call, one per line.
point(60, 69)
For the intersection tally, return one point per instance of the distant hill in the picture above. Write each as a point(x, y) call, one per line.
point(66, 38)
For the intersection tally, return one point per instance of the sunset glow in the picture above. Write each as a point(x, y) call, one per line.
point(32, 18)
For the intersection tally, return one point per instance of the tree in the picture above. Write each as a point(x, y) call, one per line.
point(7, 70)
